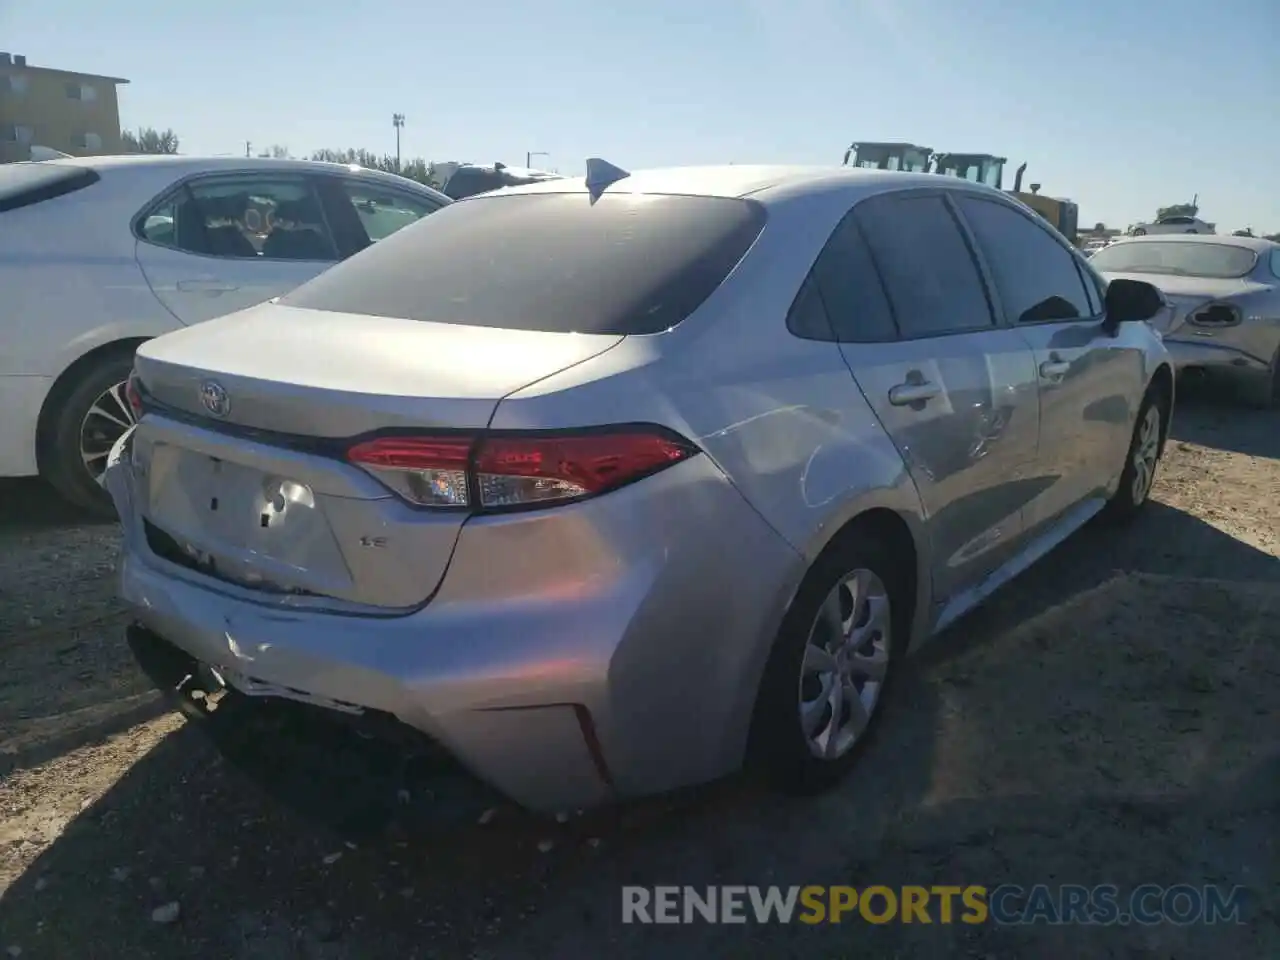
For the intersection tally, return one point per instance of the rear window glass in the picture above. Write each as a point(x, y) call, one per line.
point(625, 264)
point(22, 184)
point(1179, 258)
point(468, 183)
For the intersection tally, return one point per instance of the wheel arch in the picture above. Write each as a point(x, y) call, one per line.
point(903, 538)
point(64, 383)
point(1162, 384)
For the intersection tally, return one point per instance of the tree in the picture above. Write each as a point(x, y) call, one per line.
point(416, 169)
point(1273, 237)
point(1246, 232)
point(276, 152)
point(149, 140)
point(1178, 210)
point(1099, 228)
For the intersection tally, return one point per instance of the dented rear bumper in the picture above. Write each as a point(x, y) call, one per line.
point(570, 656)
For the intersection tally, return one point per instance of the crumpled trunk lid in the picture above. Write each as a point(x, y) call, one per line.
point(236, 470)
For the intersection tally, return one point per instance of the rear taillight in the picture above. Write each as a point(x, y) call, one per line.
point(517, 470)
point(133, 395)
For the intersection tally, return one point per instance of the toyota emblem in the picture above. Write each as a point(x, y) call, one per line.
point(215, 399)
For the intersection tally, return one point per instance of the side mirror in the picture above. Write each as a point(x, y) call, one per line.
point(1131, 301)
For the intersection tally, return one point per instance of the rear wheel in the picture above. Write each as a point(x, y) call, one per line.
point(1139, 474)
point(831, 665)
point(89, 418)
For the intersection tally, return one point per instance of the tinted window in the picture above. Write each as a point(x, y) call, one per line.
point(467, 182)
point(851, 290)
point(1176, 257)
point(1275, 262)
point(1092, 287)
point(244, 217)
point(808, 317)
point(22, 184)
point(929, 273)
point(626, 264)
point(1035, 275)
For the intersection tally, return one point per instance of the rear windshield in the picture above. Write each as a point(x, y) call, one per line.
point(1180, 258)
point(625, 264)
point(468, 183)
point(25, 183)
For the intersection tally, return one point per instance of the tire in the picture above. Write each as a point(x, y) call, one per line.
point(1140, 232)
point(780, 750)
point(1131, 496)
point(62, 464)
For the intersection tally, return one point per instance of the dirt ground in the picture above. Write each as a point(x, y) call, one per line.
point(1112, 717)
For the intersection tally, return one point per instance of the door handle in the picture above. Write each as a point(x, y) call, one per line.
point(211, 287)
point(907, 394)
point(1054, 369)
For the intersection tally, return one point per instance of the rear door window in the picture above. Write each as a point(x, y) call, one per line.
point(851, 291)
point(247, 216)
point(929, 273)
point(623, 264)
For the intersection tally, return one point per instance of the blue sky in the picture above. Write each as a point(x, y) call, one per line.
point(1121, 106)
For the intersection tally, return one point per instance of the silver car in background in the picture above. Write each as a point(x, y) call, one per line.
point(613, 485)
point(1224, 297)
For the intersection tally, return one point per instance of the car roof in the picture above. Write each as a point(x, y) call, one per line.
point(1257, 244)
point(181, 164)
point(765, 183)
point(513, 171)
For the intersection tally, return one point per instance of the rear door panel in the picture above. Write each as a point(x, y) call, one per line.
point(971, 448)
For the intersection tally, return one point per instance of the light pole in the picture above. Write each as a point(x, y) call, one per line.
point(397, 121)
point(528, 157)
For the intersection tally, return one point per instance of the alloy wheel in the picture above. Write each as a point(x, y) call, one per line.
point(846, 660)
point(108, 418)
point(1146, 452)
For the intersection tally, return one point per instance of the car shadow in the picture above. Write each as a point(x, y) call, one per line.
point(374, 870)
point(1074, 730)
point(1210, 417)
point(1161, 541)
point(29, 505)
point(1096, 741)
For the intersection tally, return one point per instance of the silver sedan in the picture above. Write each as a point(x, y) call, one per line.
point(614, 485)
point(1224, 304)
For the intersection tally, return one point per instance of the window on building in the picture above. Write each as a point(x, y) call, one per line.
point(16, 83)
point(89, 141)
point(82, 91)
point(16, 133)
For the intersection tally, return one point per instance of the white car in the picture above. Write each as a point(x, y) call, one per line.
point(1174, 225)
point(98, 255)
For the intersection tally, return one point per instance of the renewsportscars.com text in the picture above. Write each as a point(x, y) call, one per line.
point(1181, 904)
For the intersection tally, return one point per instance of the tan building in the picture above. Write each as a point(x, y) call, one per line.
point(75, 113)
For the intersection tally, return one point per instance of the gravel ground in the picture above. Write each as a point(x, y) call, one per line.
point(1109, 718)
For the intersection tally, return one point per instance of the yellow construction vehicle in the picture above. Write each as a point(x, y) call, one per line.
point(978, 167)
